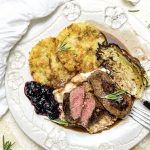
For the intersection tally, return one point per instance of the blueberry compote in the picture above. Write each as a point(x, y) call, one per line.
point(42, 99)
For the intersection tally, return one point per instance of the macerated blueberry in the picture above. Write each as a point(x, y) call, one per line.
point(46, 105)
point(42, 98)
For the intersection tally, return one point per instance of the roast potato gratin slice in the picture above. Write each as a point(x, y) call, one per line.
point(44, 65)
point(77, 47)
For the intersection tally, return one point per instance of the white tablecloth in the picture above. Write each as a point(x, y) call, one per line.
point(10, 129)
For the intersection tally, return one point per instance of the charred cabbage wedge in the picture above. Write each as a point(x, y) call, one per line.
point(124, 69)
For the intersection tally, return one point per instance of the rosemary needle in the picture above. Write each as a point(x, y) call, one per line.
point(115, 95)
point(133, 10)
point(60, 122)
point(7, 145)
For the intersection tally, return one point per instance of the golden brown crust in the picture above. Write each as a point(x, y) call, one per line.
point(44, 65)
point(77, 47)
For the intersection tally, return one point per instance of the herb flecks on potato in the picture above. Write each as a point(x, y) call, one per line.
point(45, 66)
point(77, 47)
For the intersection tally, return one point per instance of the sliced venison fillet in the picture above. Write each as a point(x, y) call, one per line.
point(76, 102)
point(66, 109)
point(120, 107)
point(102, 85)
point(79, 104)
point(94, 117)
point(88, 108)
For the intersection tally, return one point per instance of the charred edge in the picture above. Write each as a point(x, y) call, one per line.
point(66, 110)
point(105, 42)
point(126, 54)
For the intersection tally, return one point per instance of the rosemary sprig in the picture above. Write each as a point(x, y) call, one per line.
point(133, 10)
point(60, 122)
point(62, 46)
point(115, 95)
point(7, 145)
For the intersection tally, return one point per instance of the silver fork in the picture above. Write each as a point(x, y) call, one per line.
point(141, 116)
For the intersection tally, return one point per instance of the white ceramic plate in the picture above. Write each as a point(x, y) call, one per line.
point(45, 133)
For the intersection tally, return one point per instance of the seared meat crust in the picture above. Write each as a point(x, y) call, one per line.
point(119, 108)
point(103, 85)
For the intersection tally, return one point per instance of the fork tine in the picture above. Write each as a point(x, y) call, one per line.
point(142, 110)
point(141, 117)
point(142, 114)
point(140, 121)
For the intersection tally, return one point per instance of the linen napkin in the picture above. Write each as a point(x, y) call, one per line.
point(15, 17)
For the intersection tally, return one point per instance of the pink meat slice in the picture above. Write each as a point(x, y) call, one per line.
point(89, 106)
point(76, 102)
